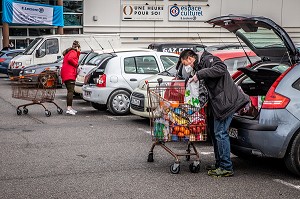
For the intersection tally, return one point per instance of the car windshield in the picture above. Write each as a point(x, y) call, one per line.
point(262, 38)
point(32, 46)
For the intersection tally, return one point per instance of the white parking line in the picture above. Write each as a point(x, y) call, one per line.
point(287, 184)
point(111, 117)
point(148, 132)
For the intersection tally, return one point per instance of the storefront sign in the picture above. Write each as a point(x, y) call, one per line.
point(17, 12)
point(187, 13)
point(143, 12)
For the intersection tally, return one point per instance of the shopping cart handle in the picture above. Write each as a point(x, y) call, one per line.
point(159, 80)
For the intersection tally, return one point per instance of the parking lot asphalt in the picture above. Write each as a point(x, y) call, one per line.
point(98, 155)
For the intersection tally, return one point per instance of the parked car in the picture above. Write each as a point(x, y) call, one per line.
point(271, 127)
point(6, 56)
point(92, 61)
point(110, 84)
point(232, 58)
point(31, 73)
point(176, 47)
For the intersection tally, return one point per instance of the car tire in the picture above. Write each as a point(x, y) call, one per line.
point(118, 102)
point(292, 157)
point(99, 107)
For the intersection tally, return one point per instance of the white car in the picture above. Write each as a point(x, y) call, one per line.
point(91, 61)
point(110, 84)
point(139, 104)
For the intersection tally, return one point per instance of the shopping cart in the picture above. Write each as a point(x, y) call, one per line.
point(38, 92)
point(172, 120)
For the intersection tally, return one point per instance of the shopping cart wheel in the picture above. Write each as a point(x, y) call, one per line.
point(150, 157)
point(59, 110)
point(195, 167)
point(47, 113)
point(25, 110)
point(175, 168)
point(19, 112)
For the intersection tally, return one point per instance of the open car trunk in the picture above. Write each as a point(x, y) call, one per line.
point(256, 83)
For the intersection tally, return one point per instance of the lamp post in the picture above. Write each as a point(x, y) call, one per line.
point(60, 29)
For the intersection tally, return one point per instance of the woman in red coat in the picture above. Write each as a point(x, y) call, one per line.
point(69, 73)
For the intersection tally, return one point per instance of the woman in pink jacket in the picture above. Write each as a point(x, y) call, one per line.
point(69, 73)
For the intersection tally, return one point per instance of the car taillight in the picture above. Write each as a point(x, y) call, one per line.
point(86, 79)
point(2, 59)
point(101, 82)
point(274, 100)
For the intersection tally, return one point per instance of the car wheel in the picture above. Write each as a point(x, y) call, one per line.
point(118, 102)
point(292, 157)
point(99, 107)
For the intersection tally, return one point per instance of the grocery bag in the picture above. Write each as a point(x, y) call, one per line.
point(192, 93)
point(175, 92)
point(196, 93)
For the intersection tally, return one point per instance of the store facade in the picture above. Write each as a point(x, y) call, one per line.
point(141, 22)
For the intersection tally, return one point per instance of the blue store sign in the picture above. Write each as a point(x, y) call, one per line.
point(16, 12)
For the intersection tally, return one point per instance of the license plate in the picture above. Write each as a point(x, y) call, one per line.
point(87, 93)
point(136, 102)
point(233, 132)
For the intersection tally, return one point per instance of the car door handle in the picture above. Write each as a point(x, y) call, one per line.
point(133, 79)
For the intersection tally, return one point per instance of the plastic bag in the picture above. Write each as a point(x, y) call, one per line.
point(192, 94)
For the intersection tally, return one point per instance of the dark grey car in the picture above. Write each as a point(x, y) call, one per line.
point(31, 73)
point(271, 127)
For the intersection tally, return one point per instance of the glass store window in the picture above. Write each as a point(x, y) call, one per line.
point(17, 31)
point(39, 31)
point(73, 6)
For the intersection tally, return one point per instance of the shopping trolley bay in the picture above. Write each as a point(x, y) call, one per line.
point(99, 155)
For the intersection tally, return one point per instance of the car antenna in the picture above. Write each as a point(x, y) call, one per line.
point(98, 43)
point(111, 46)
point(243, 49)
point(201, 41)
point(89, 45)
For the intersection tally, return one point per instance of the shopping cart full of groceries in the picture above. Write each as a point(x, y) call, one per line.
point(176, 117)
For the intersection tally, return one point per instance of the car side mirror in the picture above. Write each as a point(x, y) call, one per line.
point(39, 53)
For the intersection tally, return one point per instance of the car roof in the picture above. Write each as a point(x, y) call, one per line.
point(232, 53)
point(174, 43)
point(118, 50)
point(142, 52)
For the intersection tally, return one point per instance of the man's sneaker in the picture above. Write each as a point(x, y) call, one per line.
point(71, 112)
point(219, 172)
point(211, 167)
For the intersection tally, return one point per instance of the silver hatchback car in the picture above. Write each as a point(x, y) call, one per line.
point(271, 127)
point(109, 85)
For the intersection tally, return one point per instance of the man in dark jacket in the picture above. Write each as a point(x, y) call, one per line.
point(224, 98)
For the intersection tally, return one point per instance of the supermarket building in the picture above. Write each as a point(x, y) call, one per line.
point(141, 22)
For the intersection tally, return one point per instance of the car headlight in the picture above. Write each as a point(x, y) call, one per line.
point(29, 71)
